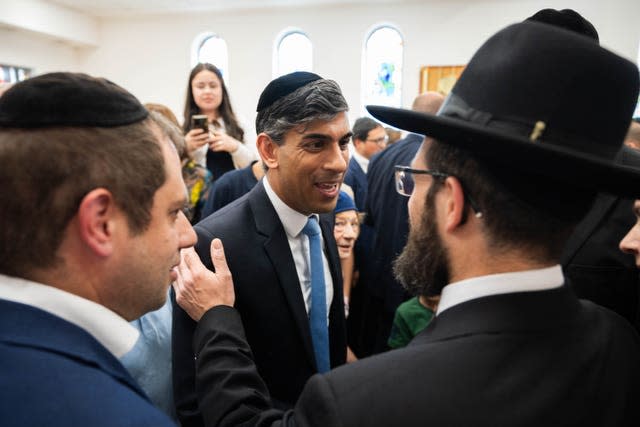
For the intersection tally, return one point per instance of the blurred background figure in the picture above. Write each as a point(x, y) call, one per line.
point(196, 177)
point(223, 147)
point(386, 213)
point(411, 317)
point(393, 134)
point(346, 230)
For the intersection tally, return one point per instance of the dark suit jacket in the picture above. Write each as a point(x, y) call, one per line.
point(523, 359)
point(388, 215)
point(594, 265)
point(54, 373)
point(357, 180)
point(268, 297)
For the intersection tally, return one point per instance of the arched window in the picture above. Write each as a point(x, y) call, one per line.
point(382, 67)
point(211, 48)
point(293, 51)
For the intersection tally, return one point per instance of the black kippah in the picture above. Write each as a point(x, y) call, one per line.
point(68, 99)
point(283, 86)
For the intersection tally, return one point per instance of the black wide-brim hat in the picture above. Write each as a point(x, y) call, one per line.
point(541, 101)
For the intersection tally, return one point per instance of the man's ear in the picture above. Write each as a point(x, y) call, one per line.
point(455, 203)
point(268, 150)
point(97, 221)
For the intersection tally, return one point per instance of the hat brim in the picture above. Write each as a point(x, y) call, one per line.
point(562, 164)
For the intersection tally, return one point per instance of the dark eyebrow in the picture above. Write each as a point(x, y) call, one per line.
point(324, 136)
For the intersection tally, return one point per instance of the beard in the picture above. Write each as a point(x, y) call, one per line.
point(423, 265)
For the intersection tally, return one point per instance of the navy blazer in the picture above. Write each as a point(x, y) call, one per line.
point(268, 297)
point(387, 213)
point(540, 358)
point(357, 180)
point(54, 373)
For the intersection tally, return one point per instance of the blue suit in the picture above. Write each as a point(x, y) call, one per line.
point(54, 373)
point(356, 178)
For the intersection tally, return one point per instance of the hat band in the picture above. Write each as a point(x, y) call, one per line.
point(537, 132)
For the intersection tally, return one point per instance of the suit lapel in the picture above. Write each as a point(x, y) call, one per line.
point(277, 248)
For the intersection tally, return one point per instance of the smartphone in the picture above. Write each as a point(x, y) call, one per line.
point(200, 121)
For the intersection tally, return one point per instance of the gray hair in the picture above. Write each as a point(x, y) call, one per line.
point(318, 100)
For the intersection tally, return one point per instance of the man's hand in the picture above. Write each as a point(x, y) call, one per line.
point(199, 289)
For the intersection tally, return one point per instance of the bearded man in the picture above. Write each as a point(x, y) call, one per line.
point(518, 155)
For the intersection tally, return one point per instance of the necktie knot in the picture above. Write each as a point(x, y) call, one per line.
point(311, 228)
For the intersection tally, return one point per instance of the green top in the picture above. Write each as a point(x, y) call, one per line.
point(411, 317)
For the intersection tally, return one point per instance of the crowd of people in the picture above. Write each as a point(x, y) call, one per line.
point(481, 269)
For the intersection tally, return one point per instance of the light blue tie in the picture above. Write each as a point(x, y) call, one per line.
point(318, 309)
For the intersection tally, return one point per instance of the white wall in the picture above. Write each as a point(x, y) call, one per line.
point(150, 56)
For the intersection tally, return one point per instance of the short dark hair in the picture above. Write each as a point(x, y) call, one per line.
point(319, 100)
point(518, 211)
point(362, 127)
point(46, 173)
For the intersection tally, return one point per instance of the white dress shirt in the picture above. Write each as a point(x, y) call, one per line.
point(495, 284)
point(293, 223)
point(361, 160)
point(111, 330)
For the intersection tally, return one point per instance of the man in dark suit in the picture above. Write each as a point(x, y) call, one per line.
point(91, 228)
point(303, 137)
point(369, 138)
point(494, 197)
point(386, 213)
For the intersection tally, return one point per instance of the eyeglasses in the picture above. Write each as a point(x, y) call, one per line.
point(405, 183)
point(404, 178)
point(380, 141)
point(341, 225)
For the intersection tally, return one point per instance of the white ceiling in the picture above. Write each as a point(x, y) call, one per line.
point(104, 8)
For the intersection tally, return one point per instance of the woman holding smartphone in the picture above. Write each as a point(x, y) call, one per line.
point(222, 147)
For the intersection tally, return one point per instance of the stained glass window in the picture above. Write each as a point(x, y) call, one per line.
point(382, 67)
point(293, 52)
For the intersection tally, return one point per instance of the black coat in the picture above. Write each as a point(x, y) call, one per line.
point(534, 359)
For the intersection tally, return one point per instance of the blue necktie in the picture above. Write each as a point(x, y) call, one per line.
point(318, 309)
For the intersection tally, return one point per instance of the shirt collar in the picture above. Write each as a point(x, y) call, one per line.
point(495, 284)
point(292, 220)
point(361, 160)
point(111, 330)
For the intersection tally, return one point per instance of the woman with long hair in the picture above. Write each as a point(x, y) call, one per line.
point(222, 148)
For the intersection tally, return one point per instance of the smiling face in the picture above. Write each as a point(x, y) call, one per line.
point(307, 169)
point(207, 91)
point(630, 243)
point(346, 230)
point(148, 259)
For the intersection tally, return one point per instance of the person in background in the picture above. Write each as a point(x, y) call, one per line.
point(346, 229)
point(223, 147)
point(387, 215)
point(91, 229)
point(231, 186)
point(411, 318)
point(394, 135)
point(196, 177)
